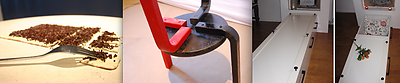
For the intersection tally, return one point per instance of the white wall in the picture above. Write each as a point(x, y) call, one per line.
point(322, 18)
point(345, 6)
point(395, 13)
point(269, 10)
point(331, 12)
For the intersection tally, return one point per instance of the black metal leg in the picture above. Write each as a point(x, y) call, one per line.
point(233, 38)
point(235, 60)
point(206, 25)
point(257, 15)
point(255, 11)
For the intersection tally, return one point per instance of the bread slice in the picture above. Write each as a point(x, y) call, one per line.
point(109, 64)
point(52, 35)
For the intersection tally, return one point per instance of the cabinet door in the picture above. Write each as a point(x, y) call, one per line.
point(306, 60)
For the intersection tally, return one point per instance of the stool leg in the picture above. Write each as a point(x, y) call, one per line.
point(167, 60)
point(233, 37)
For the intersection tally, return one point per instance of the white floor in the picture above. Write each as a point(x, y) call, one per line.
point(143, 63)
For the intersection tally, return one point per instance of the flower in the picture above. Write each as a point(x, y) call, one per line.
point(362, 52)
point(366, 53)
point(383, 23)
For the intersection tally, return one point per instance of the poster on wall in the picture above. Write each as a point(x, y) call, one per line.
point(304, 5)
point(379, 4)
point(307, 2)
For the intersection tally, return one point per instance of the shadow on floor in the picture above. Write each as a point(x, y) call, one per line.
point(211, 68)
point(70, 62)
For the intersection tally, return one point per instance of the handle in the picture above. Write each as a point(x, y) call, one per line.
point(388, 69)
point(5, 59)
point(316, 24)
point(391, 32)
point(295, 68)
point(200, 13)
point(312, 43)
point(304, 75)
point(273, 31)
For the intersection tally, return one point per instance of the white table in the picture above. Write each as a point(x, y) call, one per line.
point(287, 47)
point(33, 71)
point(370, 70)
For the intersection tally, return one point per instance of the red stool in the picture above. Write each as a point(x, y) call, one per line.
point(191, 34)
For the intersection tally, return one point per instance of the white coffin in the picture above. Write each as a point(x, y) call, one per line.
point(288, 46)
point(372, 70)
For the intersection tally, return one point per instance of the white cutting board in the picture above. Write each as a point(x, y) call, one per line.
point(60, 73)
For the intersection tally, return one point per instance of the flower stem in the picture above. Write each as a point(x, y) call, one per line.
point(355, 44)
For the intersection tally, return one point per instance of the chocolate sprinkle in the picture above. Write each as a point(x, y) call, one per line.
point(46, 33)
point(69, 35)
point(103, 55)
point(58, 34)
point(102, 40)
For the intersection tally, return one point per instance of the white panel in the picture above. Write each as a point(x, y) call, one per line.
point(369, 70)
point(270, 10)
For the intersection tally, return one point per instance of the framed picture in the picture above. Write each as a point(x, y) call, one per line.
point(378, 4)
point(304, 5)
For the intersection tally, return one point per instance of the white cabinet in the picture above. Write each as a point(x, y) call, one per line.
point(371, 70)
point(289, 46)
